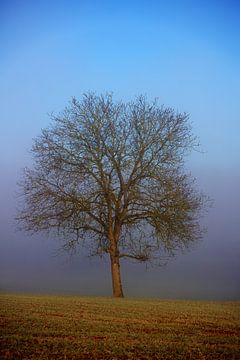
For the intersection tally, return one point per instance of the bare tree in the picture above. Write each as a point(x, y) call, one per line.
point(113, 174)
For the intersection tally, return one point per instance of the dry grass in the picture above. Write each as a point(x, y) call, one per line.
point(51, 327)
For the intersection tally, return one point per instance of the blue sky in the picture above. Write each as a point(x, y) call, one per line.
point(187, 54)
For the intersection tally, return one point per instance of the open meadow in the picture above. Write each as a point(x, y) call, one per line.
point(64, 327)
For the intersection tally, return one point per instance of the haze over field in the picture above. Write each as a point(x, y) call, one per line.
point(185, 53)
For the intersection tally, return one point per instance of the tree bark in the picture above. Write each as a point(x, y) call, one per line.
point(116, 276)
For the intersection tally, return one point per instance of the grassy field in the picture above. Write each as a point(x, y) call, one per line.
point(51, 327)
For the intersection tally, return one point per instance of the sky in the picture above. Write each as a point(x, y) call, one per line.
point(186, 54)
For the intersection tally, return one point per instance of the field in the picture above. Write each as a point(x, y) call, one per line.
point(54, 327)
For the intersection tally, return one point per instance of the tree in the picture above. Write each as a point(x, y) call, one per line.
point(112, 174)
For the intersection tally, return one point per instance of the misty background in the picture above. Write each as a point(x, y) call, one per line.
point(185, 53)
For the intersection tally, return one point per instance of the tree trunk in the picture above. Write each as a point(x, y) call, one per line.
point(116, 276)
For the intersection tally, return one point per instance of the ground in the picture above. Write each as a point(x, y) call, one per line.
point(64, 327)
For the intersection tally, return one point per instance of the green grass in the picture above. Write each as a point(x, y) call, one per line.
point(54, 327)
